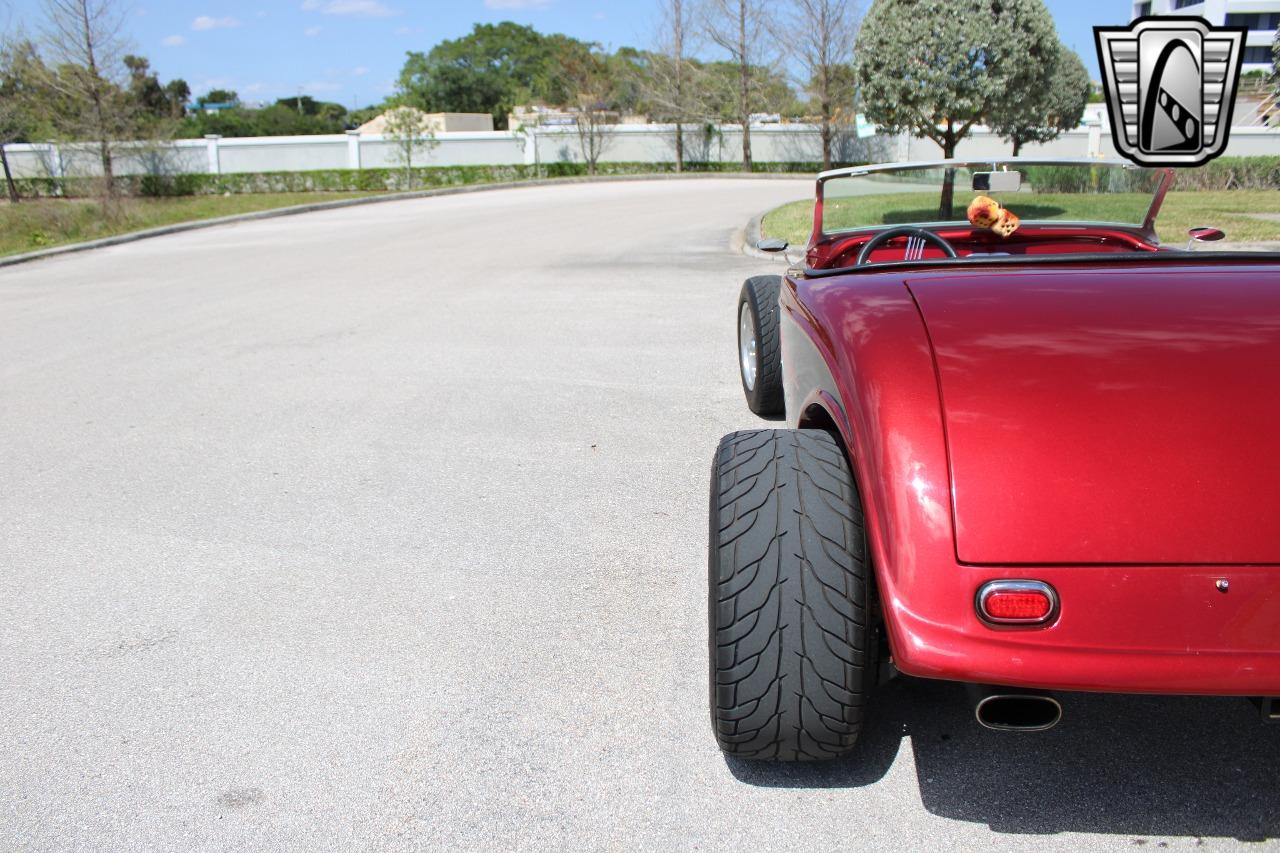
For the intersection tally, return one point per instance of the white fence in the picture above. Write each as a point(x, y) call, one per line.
point(624, 143)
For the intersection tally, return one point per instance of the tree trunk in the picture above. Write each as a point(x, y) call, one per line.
point(108, 169)
point(1017, 146)
point(744, 79)
point(826, 135)
point(8, 177)
point(949, 178)
point(825, 95)
point(678, 17)
point(99, 108)
point(948, 143)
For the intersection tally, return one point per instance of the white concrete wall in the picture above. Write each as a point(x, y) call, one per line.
point(625, 143)
point(81, 160)
point(1244, 142)
point(657, 144)
point(282, 154)
point(477, 148)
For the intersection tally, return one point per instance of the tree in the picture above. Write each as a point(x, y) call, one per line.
point(1045, 112)
point(223, 96)
point(309, 106)
point(177, 92)
point(282, 119)
point(407, 128)
point(671, 81)
point(718, 88)
point(20, 73)
point(826, 33)
point(491, 69)
point(587, 77)
point(739, 27)
point(145, 89)
point(935, 68)
point(84, 38)
point(218, 96)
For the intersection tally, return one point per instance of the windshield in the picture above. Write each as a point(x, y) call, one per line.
point(1102, 193)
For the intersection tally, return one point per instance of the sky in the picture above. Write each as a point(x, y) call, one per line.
point(351, 51)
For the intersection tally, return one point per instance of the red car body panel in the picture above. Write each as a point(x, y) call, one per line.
point(1171, 471)
point(1129, 418)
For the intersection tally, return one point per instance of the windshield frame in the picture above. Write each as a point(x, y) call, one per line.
point(1147, 228)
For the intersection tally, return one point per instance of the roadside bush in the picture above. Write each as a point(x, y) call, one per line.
point(1225, 173)
point(371, 180)
point(1077, 179)
point(1232, 173)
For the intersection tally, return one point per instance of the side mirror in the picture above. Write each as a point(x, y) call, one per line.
point(772, 245)
point(1203, 234)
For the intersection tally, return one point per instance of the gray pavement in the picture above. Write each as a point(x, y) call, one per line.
point(385, 528)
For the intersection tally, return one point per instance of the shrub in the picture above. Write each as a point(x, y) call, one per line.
point(1225, 173)
point(1232, 173)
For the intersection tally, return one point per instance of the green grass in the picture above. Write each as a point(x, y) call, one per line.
point(45, 223)
point(1224, 209)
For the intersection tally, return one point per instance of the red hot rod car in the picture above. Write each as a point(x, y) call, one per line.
point(1028, 448)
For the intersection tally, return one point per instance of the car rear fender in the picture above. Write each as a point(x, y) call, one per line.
point(857, 352)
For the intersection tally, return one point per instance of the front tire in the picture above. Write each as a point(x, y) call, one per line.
point(759, 346)
point(789, 596)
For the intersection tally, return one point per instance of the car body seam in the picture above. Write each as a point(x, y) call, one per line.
point(942, 412)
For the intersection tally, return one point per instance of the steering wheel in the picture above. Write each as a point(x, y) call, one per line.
point(917, 237)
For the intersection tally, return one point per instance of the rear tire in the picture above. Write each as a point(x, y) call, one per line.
point(759, 347)
point(789, 595)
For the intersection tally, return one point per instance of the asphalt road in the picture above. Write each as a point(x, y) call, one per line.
point(385, 528)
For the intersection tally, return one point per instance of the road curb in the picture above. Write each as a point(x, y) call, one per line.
point(745, 239)
point(293, 210)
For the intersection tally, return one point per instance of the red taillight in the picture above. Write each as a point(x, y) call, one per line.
point(1017, 602)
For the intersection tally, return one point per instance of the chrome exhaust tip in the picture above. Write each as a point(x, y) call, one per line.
point(1011, 710)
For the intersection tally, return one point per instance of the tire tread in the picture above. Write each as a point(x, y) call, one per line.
point(761, 293)
point(788, 597)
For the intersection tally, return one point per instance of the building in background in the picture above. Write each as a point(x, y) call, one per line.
point(434, 122)
point(1260, 17)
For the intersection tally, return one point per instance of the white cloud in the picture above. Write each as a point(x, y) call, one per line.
point(359, 71)
point(322, 86)
point(516, 4)
point(311, 32)
point(254, 87)
point(174, 41)
point(358, 8)
point(205, 22)
point(409, 31)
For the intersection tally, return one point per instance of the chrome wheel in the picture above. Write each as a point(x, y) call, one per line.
point(747, 346)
